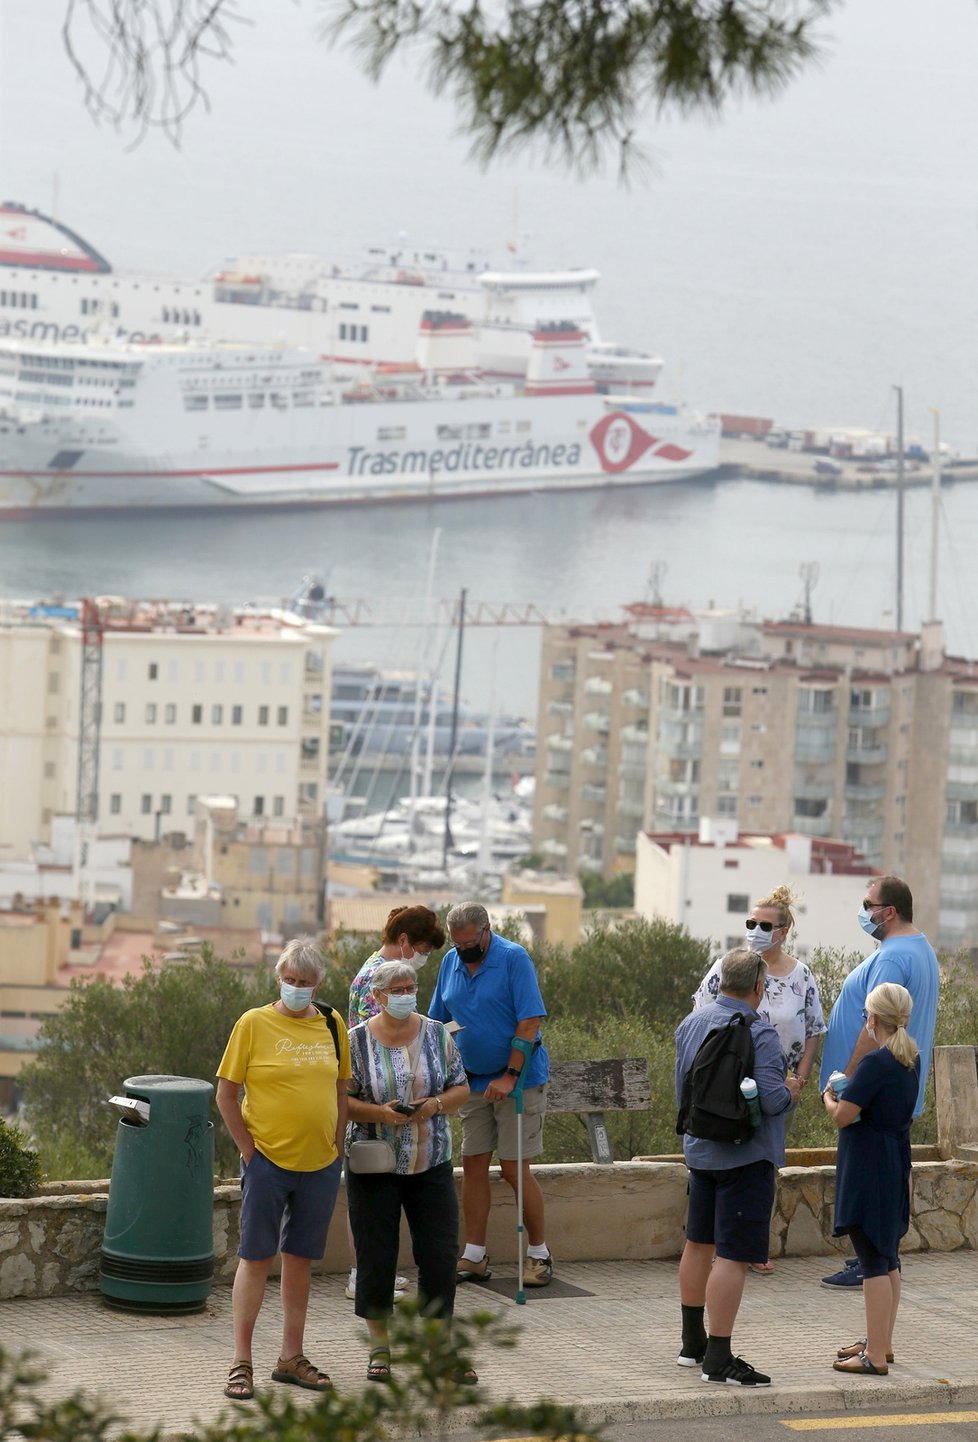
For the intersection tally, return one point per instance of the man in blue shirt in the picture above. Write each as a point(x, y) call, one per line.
point(904, 956)
point(489, 987)
point(731, 1184)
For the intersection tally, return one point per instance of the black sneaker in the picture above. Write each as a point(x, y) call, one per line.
point(738, 1373)
point(690, 1359)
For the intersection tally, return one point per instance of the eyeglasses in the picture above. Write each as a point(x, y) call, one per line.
point(766, 926)
point(874, 905)
point(401, 990)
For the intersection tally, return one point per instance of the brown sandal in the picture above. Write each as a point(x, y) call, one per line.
point(854, 1349)
point(241, 1382)
point(301, 1373)
point(860, 1366)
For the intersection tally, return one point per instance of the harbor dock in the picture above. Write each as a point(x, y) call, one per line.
point(743, 458)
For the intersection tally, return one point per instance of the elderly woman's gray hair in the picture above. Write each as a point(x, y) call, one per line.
point(389, 973)
point(303, 957)
point(467, 913)
point(740, 971)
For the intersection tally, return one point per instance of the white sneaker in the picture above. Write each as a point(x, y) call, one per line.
point(400, 1289)
point(351, 1291)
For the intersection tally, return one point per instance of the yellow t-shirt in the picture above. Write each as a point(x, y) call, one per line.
point(289, 1069)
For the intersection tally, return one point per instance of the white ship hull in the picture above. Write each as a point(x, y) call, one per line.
point(106, 404)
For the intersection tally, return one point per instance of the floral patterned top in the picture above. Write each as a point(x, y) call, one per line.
point(791, 1004)
point(383, 1074)
point(362, 1005)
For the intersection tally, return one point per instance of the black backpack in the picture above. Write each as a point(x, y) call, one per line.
point(331, 1018)
point(712, 1106)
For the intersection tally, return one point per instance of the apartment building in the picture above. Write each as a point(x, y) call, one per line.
point(194, 700)
point(869, 737)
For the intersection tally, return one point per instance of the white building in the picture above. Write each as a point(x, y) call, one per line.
point(708, 883)
point(193, 700)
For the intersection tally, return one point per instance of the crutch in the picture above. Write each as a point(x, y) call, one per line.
point(527, 1048)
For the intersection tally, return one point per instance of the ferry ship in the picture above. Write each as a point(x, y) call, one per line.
point(288, 381)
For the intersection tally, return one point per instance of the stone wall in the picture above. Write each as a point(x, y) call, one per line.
point(633, 1210)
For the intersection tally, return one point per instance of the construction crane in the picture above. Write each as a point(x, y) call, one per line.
point(89, 745)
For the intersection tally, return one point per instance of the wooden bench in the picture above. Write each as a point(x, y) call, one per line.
point(592, 1088)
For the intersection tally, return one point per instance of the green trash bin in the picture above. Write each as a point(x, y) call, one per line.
point(158, 1250)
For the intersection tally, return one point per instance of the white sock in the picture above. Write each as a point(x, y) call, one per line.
point(540, 1253)
point(473, 1253)
point(353, 1276)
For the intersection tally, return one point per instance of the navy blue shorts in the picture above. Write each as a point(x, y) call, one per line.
point(283, 1210)
point(872, 1262)
point(731, 1210)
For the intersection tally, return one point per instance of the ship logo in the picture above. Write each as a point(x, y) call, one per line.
point(620, 442)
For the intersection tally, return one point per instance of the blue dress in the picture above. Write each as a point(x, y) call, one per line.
point(873, 1164)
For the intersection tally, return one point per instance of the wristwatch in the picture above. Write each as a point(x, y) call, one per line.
point(512, 1071)
point(439, 1105)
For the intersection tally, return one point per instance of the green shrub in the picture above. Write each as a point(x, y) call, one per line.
point(20, 1170)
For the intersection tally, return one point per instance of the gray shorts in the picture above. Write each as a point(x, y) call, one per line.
point(491, 1126)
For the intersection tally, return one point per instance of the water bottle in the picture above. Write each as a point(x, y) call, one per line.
point(838, 1081)
point(748, 1090)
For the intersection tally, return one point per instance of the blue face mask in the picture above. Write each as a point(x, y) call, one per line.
point(865, 919)
point(295, 998)
point(402, 1005)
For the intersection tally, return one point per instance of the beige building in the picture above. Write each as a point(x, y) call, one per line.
point(193, 700)
point(560, 899)
point(868, 737)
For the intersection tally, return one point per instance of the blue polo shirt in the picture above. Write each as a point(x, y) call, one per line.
point(766, 1142)
point(908, 960)
point(488, 1007)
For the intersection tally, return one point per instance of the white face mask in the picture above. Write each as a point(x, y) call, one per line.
point(416, 959)
point(758, 940)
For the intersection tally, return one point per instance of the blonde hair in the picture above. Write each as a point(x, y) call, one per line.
point(780, 900)
point(892, 1004)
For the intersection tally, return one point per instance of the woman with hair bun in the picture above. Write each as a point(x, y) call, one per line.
point(791, 1001)
point(872, 1180)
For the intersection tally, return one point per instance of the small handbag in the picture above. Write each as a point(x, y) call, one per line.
point(372, 1154)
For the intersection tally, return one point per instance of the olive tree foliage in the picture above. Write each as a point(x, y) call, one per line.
point(574, 75)
point(173, 1019)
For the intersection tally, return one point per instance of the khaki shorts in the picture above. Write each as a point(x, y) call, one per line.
point(491, 1126)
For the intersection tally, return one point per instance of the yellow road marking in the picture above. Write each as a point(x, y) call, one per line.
point(906, 1419)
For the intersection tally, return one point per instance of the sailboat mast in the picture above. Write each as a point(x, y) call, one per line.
point(450, 767)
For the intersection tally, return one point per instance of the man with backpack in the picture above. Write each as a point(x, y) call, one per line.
point(731, 1161)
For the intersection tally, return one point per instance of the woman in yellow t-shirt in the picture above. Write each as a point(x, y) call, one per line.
point(294, 1069)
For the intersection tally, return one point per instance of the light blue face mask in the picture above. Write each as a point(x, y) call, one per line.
point(402, 1005)
point(865, 919)
point(295, 998)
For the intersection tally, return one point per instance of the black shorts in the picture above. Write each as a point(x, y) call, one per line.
point(730, 1209)
point(872, 1262)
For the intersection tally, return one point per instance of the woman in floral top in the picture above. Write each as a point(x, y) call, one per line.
point(408, 1079)
point(791, 1001)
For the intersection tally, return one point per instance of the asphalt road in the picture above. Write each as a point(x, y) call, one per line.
point(909, 1426)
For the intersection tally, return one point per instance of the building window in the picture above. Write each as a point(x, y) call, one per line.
point(166, 804)
point(283, 715)
point(191, 805)
point(154, 670)
point(236, 714)
point(150, 713)
point(217, 714)
point(263, 715)
point(115, 803)
point(197, 714)
point(170, 713)
point(259, 807)
point(146, 804)
point(732, 700)
point(119, 712)
point(278, 806)
point(738, 901)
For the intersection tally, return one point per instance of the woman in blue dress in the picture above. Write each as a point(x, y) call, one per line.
point(872, 1183)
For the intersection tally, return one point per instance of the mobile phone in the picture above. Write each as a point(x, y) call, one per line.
point(404, 1108)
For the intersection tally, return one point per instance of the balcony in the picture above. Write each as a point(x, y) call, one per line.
point(597, 721)
point(635, 809)
point(864, 791)
point(591, 792)
point(866, 755)
point(815, 790)
point(553, 811)
point(815, 744)
point(677, 788)
point(629, 767)
point(812, 825)
point(560, 780)
point(595, 756)
point(625, 845)
point(878, 715)
point(598, 686)
point(560, 708)
point(557, 741)
point(552, 847)
point(863, 831)
point(635, 698)
point(961, 790)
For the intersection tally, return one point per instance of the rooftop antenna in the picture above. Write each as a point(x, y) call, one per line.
point(657, 574)
point(901, 492)
point(935, 511)
point(808, 570)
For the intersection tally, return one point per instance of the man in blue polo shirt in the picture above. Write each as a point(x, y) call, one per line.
point(489, 987)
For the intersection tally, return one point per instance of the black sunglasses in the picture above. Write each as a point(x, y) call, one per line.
point(750, 923)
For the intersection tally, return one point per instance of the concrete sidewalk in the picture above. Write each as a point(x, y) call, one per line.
point(612, 1353)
